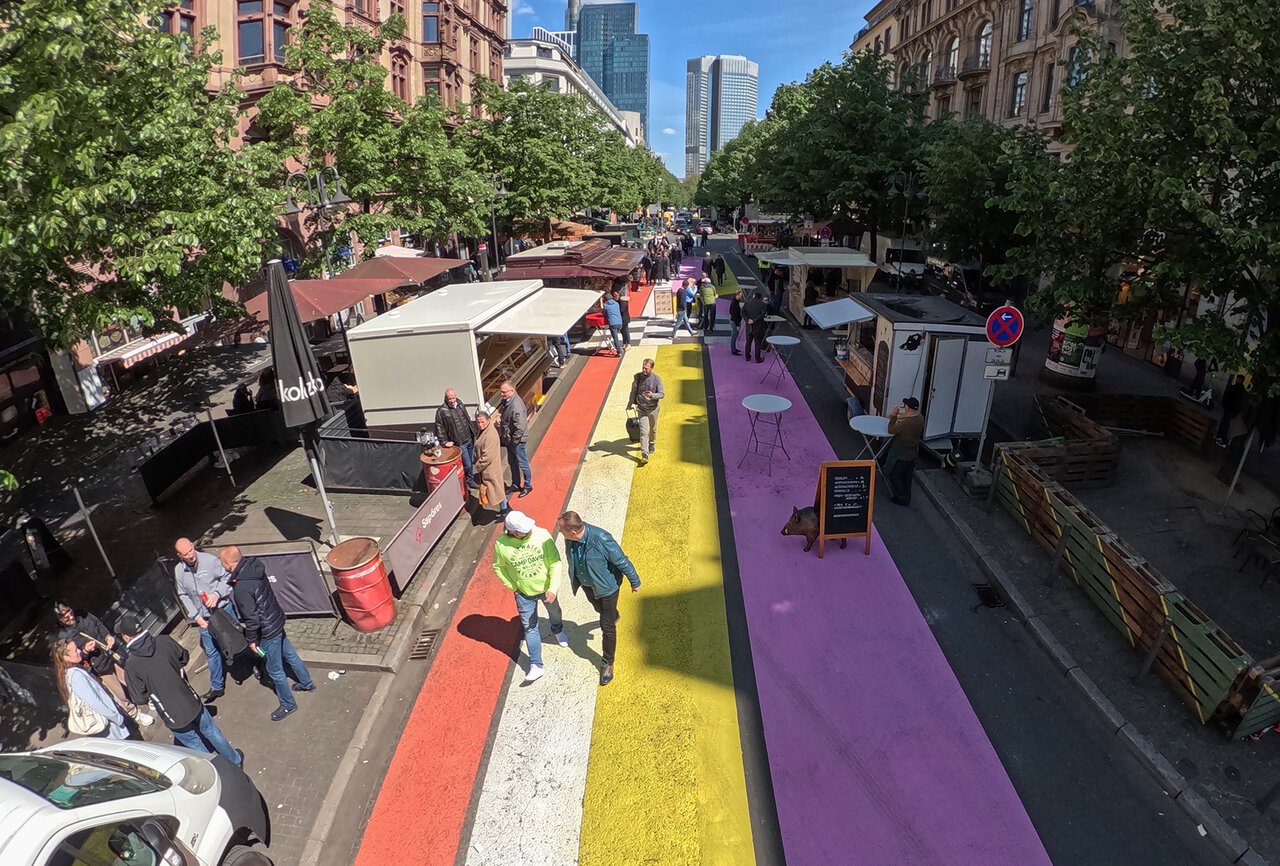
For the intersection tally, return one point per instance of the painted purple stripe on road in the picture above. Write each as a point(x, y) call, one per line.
point(875, 753)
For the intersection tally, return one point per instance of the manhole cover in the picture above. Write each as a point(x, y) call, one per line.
point(426, 643)
point(987, 597)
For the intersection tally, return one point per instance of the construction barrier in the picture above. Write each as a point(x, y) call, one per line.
point(1204, 666)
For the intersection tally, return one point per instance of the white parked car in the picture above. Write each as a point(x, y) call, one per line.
point(97, 802)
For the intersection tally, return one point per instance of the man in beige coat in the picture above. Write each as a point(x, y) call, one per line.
point(488, 464)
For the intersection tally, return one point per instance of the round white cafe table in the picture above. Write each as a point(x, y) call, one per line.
point(782, 347)
point(871, 427)
point(765, 411)
point(772, 322)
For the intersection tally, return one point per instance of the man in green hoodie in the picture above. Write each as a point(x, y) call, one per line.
point(597, 564)
point(528, 563)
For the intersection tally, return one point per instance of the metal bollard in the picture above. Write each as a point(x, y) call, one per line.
point(1150, 659)
point(1057, 556)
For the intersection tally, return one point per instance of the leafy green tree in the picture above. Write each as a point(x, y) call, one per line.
point(122, 194)
point(1172, 181)
point(726, 183)
point(397, 162)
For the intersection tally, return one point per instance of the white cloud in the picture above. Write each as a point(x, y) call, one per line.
point(522, 7)
point(669, 130)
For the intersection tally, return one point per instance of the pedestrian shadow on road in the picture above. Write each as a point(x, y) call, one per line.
point(293, 525)
point(579, 635)
point(499, 633)
point(620, 447)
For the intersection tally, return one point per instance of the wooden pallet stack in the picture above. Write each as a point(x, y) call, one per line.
point(1253, 702)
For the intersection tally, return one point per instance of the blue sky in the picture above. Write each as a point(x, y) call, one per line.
point(786, 38)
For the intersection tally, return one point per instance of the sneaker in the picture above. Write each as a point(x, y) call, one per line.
point(282, 712)
point(299, 687)
point(146, 720)
point(606, 675)
point(644, 459)
point(241, 754)
point(535, 673)
point(562, 638)
point(212, 695)
point(528, 491)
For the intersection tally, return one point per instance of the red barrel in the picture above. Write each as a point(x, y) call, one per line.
point(437, 469)
point(361, 579)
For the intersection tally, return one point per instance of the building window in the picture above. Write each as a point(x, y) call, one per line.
point(984, 44)
point(951, 5)
point(1077, 59)
point(430, 22)
point(1018, 94)
point(178, 20)
point(400, 76)
point(475, 57)
point(551, 83)
point(973, 108)
point(262, 30)
point(397, 7)
point(878, 45)
point(1024, 19)
point(944, 106)
point(545, 53)
point(926, 62)
point(1048, 87)
point(431, 80)
point(888, 39)
point(926, 12)
point(953, 55)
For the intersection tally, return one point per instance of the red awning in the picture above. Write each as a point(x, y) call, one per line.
point(319, 299)
point(406, 270)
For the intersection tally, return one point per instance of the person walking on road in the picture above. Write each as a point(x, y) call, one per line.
point(560, 351)
point(719, 267)
point(646, 392)
point(263, 620)
point(527, 562)
point(613, 317)
point(681, 297)
point(513, 430)
point(708, 265)
point(707, 316)
point(153, 672)
point(598, 565)
point(453, 425)
point(492, 490)
point(204, 586)
point(906, 426)
point(735, 321)
point(101, 652)
point(77, 685)
point(1234, 401)
point(753, 313)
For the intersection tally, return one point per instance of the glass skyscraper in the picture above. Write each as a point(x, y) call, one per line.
point(721, 92)
point(615, 56)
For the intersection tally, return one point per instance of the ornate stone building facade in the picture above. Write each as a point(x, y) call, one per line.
point(1005, 60)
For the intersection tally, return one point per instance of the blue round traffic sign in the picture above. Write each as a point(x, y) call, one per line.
point(1004, 326)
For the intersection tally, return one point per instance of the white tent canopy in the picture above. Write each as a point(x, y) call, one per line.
point(548, 313)
point(833, 314)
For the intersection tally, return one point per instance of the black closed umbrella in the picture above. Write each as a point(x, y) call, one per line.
point(299, 384)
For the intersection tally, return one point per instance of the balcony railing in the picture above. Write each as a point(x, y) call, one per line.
point(944, 76)
point(976, 64)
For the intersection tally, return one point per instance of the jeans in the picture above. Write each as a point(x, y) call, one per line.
point(734, 328)
point(626, 327)
point(202, 734)
point(615, 333)
point(468, 458)
point(682, 319)
point(560, 349)
point(607, 607)
point(518, 463)
point(280, 652)
point(648, 431)
point(528, 609)
point(217, 676)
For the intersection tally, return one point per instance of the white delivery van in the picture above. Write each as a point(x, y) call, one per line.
point(97, 802)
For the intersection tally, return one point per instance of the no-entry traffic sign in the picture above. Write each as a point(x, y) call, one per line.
point(1004, 326)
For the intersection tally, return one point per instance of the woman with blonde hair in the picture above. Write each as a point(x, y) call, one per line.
point(74, 681)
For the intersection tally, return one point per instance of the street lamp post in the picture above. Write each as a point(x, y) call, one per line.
point(499, 193)
point(326, 199)
point(907, 180)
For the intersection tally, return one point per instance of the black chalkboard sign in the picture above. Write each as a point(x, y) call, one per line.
point(846, 492)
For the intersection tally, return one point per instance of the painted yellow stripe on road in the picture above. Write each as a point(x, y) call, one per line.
point(665, 781)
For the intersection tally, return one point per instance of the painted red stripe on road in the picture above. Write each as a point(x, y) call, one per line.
point(422, 806)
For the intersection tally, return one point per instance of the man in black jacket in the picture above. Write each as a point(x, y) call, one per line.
point(753, 312)
point(153, 671)
point(455, 427)
point(263, 620)
point(735, 321)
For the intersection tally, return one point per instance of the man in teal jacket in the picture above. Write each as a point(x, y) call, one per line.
point(597, 564)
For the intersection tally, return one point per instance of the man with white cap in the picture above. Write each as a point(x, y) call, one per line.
point(528, 563)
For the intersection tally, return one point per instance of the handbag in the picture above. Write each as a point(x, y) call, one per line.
point(82, 719)
point(483, 494)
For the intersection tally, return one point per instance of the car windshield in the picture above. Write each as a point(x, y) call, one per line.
point(71, 779)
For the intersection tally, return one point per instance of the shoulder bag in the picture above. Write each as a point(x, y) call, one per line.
point(82, 719)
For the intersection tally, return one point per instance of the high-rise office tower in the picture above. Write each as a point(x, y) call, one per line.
point(615, 55)
point(720, 97)
point(571, 14)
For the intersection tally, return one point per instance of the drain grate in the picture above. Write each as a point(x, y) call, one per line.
point(425, 644)
point(987, 597)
